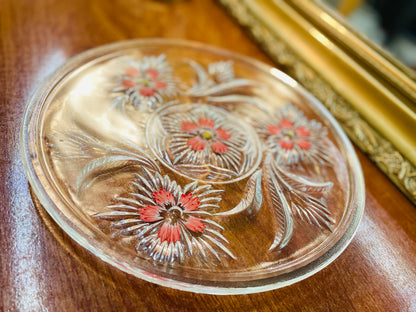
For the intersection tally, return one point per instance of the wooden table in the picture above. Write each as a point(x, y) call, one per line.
point(42, 269)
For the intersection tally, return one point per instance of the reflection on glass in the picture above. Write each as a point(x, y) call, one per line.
point(390, 23)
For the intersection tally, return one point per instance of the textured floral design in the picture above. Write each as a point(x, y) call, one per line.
point(169, 222)
point(206, 135)
point(201, 135)
point(217, 84)
point(205, 142)
point(144, 83)
point(293, 139)
point(221, 72)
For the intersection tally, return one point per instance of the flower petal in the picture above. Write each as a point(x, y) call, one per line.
point(285, 144)
point(304, 144)
point(272, 129)
point(223, 134)
point(152, 73)
point(189, 126)
point(169, 232)
point(205, 122)
point(286, 123)
point(132, 72)
point(219, 147)
point(163, 197)
point(160, 85)
point(150, 213)
point(302, 132)
point(145, 91)
point(189, 203)
point(196, 144)
point(128, 83)
point(194, 224)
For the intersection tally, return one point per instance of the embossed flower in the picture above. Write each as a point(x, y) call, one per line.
point(294, 139)
point(206, 142)
point(144, 83)
point(206, 135)
point(173, 214)
point(220, 72)
point(169, 223)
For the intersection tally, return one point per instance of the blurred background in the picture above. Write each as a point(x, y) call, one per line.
point(389, 23)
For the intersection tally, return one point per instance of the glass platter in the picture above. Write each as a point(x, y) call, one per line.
point(192, 167)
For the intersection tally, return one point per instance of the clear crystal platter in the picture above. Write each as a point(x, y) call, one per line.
point(192, 167)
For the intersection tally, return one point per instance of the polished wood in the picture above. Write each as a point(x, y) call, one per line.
point(42, 269)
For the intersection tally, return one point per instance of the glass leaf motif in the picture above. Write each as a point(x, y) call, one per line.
point(199, 138)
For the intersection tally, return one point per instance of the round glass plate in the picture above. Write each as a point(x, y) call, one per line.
point(192, 167)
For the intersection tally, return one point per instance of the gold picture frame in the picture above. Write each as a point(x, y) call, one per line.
point(372, 95)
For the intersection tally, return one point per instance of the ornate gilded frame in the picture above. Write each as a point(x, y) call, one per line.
point(372, 95)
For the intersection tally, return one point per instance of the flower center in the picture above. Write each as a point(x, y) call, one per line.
point(289, 133)
point(207, 135)
point(145, 81)
point(173, 214)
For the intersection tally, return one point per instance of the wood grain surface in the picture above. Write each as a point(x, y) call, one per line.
point(42, 269)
